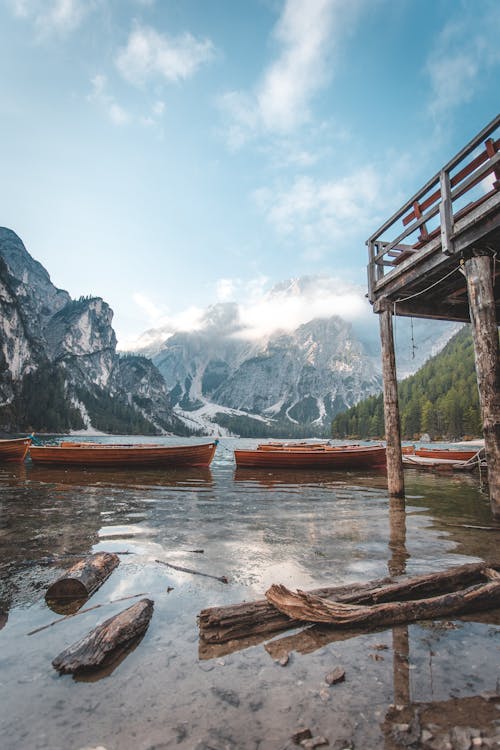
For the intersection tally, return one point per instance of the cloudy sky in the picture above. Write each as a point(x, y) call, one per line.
point(168, 154)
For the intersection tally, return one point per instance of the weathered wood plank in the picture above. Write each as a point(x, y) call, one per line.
point(221, 624)
point(106, 641)
point(308, 608)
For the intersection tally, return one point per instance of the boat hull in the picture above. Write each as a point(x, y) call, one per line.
point(14, 450)
point(446, 453)
point(329, 458)
point(124, 456)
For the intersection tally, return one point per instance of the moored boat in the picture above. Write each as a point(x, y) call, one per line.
point(448, 454)
point(329, 457)
point(440, 464)
point(290, 446)
point(14, 449)
point(123, 456)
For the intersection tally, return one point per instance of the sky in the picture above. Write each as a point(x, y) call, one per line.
point(170, 154)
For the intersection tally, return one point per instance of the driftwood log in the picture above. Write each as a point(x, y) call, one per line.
point(107, 641)
point(83, 578)
point(310, 608)
point(221, 624)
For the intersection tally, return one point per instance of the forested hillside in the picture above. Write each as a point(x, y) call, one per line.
point(441, 399)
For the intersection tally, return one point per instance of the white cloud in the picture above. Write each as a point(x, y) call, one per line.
point(152, 310)
point(189, 319)
point(317, 213)
point(225, 289)
point(466, 47)
point(253, 311)
point(298, 301)
point(149, 53)
point(114, 111)
point(53, 16)
point(307, 36)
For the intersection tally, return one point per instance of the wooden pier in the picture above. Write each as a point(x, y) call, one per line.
point(438, 257)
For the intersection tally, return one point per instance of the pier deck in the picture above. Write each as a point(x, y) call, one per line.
point(438, 257)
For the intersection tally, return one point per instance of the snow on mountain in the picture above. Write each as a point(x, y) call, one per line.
point(292, 357)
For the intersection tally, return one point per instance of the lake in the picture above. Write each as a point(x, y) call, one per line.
point(304, 529)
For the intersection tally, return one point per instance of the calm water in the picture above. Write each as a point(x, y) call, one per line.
point(303, 529)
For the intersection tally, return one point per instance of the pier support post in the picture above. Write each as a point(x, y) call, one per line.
point(395, 479)
point(479, 277)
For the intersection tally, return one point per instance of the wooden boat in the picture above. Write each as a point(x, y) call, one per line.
point(408, 450)
point(123, 456)
point(14, 450)
point(448, 454)
point(439, 464)
point(290, 446)
point(329, 457)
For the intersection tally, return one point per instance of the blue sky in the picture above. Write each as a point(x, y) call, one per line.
point(168, 154)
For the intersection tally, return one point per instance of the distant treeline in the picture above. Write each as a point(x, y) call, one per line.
point(244, 426)
point(441, 399)
point(42, 404)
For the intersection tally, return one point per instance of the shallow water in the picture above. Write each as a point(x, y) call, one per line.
point(303, 529)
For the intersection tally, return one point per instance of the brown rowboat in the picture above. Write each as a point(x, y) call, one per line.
point(448, 454)
point(123, 456)
point(329, 457)
point(14, 450)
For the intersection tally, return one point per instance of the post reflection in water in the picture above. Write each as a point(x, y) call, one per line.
point(397, 567)
point(408, 721)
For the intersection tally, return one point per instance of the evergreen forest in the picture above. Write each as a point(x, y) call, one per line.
point(441, 399)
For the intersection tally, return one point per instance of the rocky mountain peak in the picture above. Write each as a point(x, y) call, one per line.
point(64, 350)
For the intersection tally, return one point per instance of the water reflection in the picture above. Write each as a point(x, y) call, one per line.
point(319, 478)
point(110, 477)
point(304, 529)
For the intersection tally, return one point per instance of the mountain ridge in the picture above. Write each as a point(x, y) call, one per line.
point(59, 369)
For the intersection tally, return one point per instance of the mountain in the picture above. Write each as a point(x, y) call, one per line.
point(59, 368)
point(287, 381)
point(230, 375)
point(441, 399)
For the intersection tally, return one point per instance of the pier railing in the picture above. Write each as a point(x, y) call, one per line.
point(461, 194)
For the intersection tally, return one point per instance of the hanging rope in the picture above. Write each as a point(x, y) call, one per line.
point(431, 286)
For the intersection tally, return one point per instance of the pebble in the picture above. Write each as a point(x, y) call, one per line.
point(336, 675)
point(301, 734)
point(314, 742)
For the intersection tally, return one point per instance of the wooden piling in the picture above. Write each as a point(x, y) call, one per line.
point(478, 272)
point(395, 478)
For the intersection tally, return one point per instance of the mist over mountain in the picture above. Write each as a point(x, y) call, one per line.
point(285, 362)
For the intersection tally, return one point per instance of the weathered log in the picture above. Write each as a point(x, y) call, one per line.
point(221, 624)
point(310, 608)
point(84, 577)
point(107, 640)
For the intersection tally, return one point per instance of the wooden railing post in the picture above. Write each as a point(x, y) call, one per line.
point(395, 479)
point(446, 213)
point(479, 277)
point(371, 270)
point(491, 150)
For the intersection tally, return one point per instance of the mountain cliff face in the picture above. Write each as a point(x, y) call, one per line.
point(287, 382)
point(59, 368)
